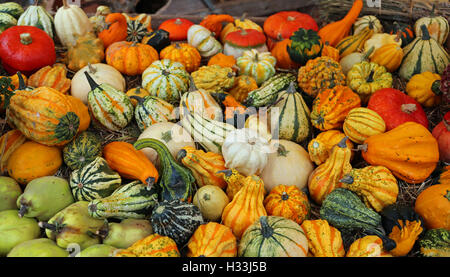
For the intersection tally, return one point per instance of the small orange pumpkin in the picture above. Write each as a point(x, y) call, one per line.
point(51, 76)
point(183, 53)
point(224, 61)
point(279, 51)
point(130, 58)
point(433, 205)
point(213, 22)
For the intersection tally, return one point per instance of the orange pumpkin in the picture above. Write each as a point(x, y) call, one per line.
point(212, 240)
point(51, 76)
point(389, 56)
point(224, 61)
point(117, 30)
point(130, 58)
point(279, 51)
point(82, 111)
point(213, 22)
point(183, 53)
point(433, 205)
point(177, 28)
point(9, 142)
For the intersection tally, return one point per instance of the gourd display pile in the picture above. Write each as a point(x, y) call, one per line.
point(222, 138)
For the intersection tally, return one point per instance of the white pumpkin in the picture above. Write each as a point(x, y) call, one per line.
point(289, 165)
point(245, 151)
point(172, 135)
point(211, 200)
point(101, 73)
point(205, 42)
point(70, 22)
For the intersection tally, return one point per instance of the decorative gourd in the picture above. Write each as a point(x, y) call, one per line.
point(235, 181)
point(323, 240)
point(282, 25)
point(211, 200)
point(441, 133)
point(88, 49)
point(243, 85)
point(70, 22)
point(367, 21)
point(425, 88)
point(260, 66)
point(176, 219)
point(142, 18)
point(361, 123)
point(130, 163)
point(82, 111)
point(213, 78)
point(368, 246)
point(98, 20)
point(366, 78)
point(235, 112)
point(379, 40)
point(280, 52)
point(205, 42)
point(37, 16)
point(409, 151)
point(51, 76)
point(239, 23)
point(327, 176)
point(223, 60)
point(213, 22)
point(405, 31)
point(175, 181)
point(138, 57)
point(320, 147)
point(158, 39)
point(330, 51)
point(108, 106)
point(117, 30)
point(267, 93)
point(444, 177)
point(94, 180)
point(183, 53)
point(395, 107)
point(246, 207)
point(331, 107)
point(212, 240)
point(32, 160)
point(320, 74)
point(354, 43)
point(136, 31)
point(273, 236)
point(177, 28)
point(437, 26)
point(350, 60)
point(82, 150)
point(288, 202)
point(389, 55)
point(137, 91)
point(433, 204)
point(435, 243)
point(423, 54)
point(101, 73)
point(152, 246)
point(9, 142)
point(306, 45)
point(204, 166)
point(336, 31)
point(7, 21)
point(237, 42)
point(151, 110)
point(376, 186)
point(12, 8)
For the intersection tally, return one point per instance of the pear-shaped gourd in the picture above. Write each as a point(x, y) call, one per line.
point(9, 192)
point(97, 251)
point(41, 247)
point(124, 234)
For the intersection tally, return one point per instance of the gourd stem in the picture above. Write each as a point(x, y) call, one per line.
point(23, 209)
point(46, 225)
point(408, 108)
point(282, 150)
point(436, 87)
point(370, 78)
point(243, 17)
point(178, 21)
point(36, 2)
point(25, 38)
point(362, 147)
point(91, 69)
point(266, 230)
point(425, 33)
point(181, 155)
point(433, 9)
point(138, 98)
point(348, 179)
point(227, 172)
point(192, 86)
point(284, 196)
point(291, 89)
point(91, 81)
point(22, 84)
point(66, 6)
point(150, 181)
point(103, 232)
point(343, 143)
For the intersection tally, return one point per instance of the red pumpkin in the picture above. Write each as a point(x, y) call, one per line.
point(26, 49)
point(177, 28)
point(442, 134)
point(239, 41)
point(396, 108)
point(283, 24)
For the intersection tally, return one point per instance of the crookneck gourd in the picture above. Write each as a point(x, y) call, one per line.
point(319, 148)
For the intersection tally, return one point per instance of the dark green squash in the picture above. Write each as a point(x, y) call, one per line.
point(158, 39)
point(435, 243)
point(175, 181)
point(82, 150)
point(306, 45)
point(136, 31)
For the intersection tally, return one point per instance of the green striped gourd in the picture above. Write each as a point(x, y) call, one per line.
point(82, 150)
point(94, 181)
point(355, 43)
point(267, 93)
point(12, 8)
point(175, 181)
point(166, 79)
point(108, 106)
point(259, 66)
point(306, 45)
point(151, 110)
point(367, 21)
point(136, 31)
point(6, 21)
point(37, 16)
point(422, 55)
point(176, 219)
point(132, 200)
point(293, 122)
point(437, 26)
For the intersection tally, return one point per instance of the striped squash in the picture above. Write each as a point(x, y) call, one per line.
point(354, 43)
point(273, 236)
point(267, 93)
point(166, 79)
point(293, 122)
point(6, 21)
point(259, 66)
point(422, 55)
point(176, 219)
point(151, 246)
point(51, 76)
point(204, 41)
point(212, 240)
point(12, 8)
point(319, 148)
point(437, 27)
point(109, 107)
point(136, 31)
point(9, 142)
point(367, 21)
point(151, 110)
point(202, 102)
point(323, 240)
point(132, 200)
point(82, 150)
point(95, 180)
point(368, 246)
point(362, 123)
point(37, 16)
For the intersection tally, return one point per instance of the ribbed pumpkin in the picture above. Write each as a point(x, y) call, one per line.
point(425, 88)
point(288, 202)
point(433, 205)
point(409, 151)
point(279, 51)
point(151, 110)
point(368, 246)
point(366, 21)
point(130, 163)
point(9, 142)
point(214, 78)
point(361, 123)
point(376, 186)
point(36, 15)
point(320, 147)
point(389, 56)
point(212, 240)
point(323, 240)
point(306, 45)
point(183, 53)
point(239, 41)
point(243, 84)
point(51, 76)
point(331, 107)
point(246, 207)
point(223, 60)
point(177, 28)
point(260, 66)
point(130, 58)
point(82, 150)
point(136, 30)
point(273, 236)
point(282, 25)
point(137, 91)
point(379, 40)
point(166, 79)
point(152, 246)
point(326, 177)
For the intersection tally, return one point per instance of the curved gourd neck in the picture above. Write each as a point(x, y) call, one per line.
point(162, 150)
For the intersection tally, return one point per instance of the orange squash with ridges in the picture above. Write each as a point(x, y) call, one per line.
point(212, 240)
point(323, 240)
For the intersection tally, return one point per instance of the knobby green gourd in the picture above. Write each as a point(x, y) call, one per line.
point(267, 93)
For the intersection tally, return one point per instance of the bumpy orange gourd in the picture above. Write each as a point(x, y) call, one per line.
point(362, 123)
point(319, 148)
point(51, 76)
point(326, 177)
point(117, 30)
point(243, 84)
point(213, 22)
point(288, 202)
point(410, 151)
point(323, 240)
point(223, 60)
point(433, 205)
point(152, 246)
point(183, 53)
point(9, 142)
point(131, 58)
point(330, 51)
point(130, 163)
point(246, 207)
point(212, 240)
point(82, 111)
point(87, 50)
point(279, 51)
point(368, 246)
